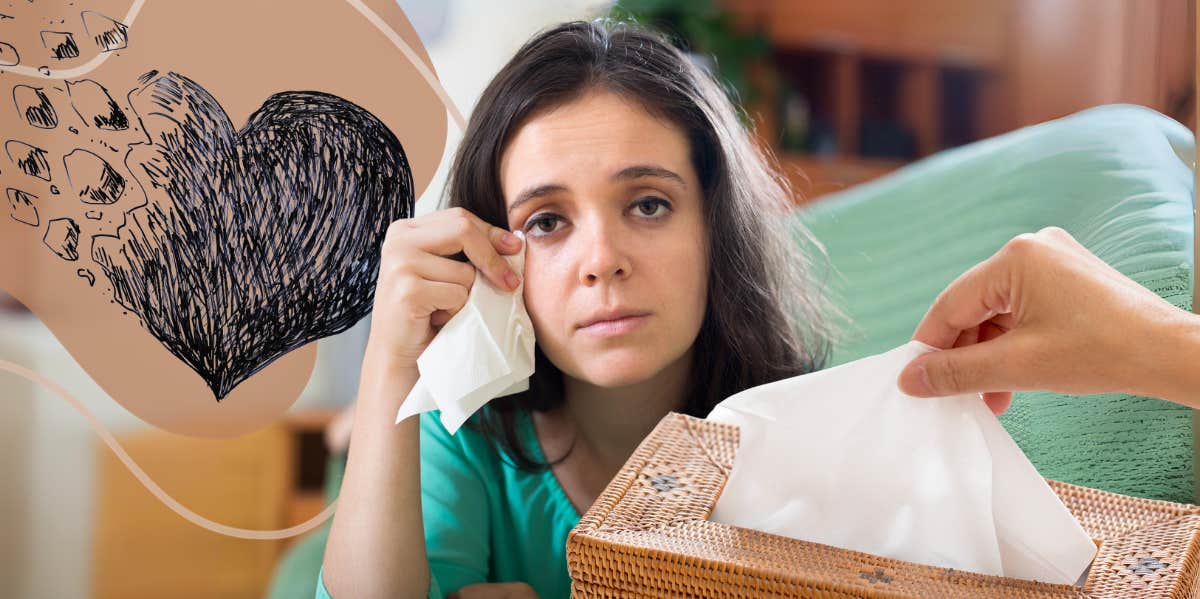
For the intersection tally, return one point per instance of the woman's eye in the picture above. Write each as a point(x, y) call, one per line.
point(545, 223)
point(650, 205)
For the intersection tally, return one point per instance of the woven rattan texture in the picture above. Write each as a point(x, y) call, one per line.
point(648, 535)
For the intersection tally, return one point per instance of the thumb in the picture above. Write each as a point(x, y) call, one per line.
point(980, 367)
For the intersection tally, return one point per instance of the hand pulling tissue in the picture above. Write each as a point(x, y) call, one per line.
point(844, 458)
point(483, 352)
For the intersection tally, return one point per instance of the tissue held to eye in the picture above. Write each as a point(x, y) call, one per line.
point(842, 457)
point(615, 285)
point(492, 334)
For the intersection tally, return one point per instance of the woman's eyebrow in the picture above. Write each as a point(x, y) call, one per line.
point(648, 170)
point(636, 171)
point(534, 193)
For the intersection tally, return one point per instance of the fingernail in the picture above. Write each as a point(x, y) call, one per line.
point(924, 387)
point(510, 277)
point(510, 240)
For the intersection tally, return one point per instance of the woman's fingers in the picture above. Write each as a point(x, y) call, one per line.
point(420, 289)
point(432, 267)
point(437, 295)
point(449, 232)
point(481, 251)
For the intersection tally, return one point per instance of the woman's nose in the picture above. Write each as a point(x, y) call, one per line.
point(603, 255)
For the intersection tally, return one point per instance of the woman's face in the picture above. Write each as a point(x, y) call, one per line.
point(611, 208)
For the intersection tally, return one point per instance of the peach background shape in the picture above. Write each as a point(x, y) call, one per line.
point(241, 52)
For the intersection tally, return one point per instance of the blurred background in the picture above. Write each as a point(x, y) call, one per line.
point(841, 91)
point(844, 91)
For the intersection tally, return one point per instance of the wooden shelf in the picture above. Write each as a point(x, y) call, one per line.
point(949, 72)
point(971, 34)
point(869, 86)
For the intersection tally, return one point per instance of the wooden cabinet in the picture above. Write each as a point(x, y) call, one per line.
point(1072, 54)
point(954, 31)
point(884, 83)
point(268, 480)
point(142, 549)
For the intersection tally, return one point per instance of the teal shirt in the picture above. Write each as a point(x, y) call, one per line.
point(487, 521)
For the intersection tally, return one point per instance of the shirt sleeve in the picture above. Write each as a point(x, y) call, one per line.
point(454, 508)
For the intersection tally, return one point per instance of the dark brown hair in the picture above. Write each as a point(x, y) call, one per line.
point(764, 319)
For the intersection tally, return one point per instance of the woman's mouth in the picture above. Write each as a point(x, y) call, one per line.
point(616, 326)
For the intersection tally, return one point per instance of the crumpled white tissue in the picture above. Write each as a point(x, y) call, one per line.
point(844, 458)
point(485, 351)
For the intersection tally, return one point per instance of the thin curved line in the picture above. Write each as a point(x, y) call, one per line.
point(430, 79)
point(178, 508)
point(86, 67)
point(412, 57)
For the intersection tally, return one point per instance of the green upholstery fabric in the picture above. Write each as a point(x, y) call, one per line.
point(1120, 179)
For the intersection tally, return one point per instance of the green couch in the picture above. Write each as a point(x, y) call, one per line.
point(1119, 178)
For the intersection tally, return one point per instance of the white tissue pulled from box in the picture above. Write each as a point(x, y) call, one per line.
point(485, 351)
point(844, 458)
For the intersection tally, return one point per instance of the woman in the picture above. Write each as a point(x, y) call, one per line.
point(661, 274)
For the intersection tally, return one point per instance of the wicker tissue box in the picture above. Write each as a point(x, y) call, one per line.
point(648, 536)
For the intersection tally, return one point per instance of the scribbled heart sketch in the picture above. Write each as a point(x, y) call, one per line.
point(232, 247)
point(252, 242)
point(188, 218)
point(210, 179)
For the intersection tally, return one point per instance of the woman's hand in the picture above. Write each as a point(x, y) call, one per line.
point(1042, 313)
point(495, 590)
point(376, 545)
point(420, 288)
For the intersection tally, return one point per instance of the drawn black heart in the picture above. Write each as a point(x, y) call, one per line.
point(271, 235)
